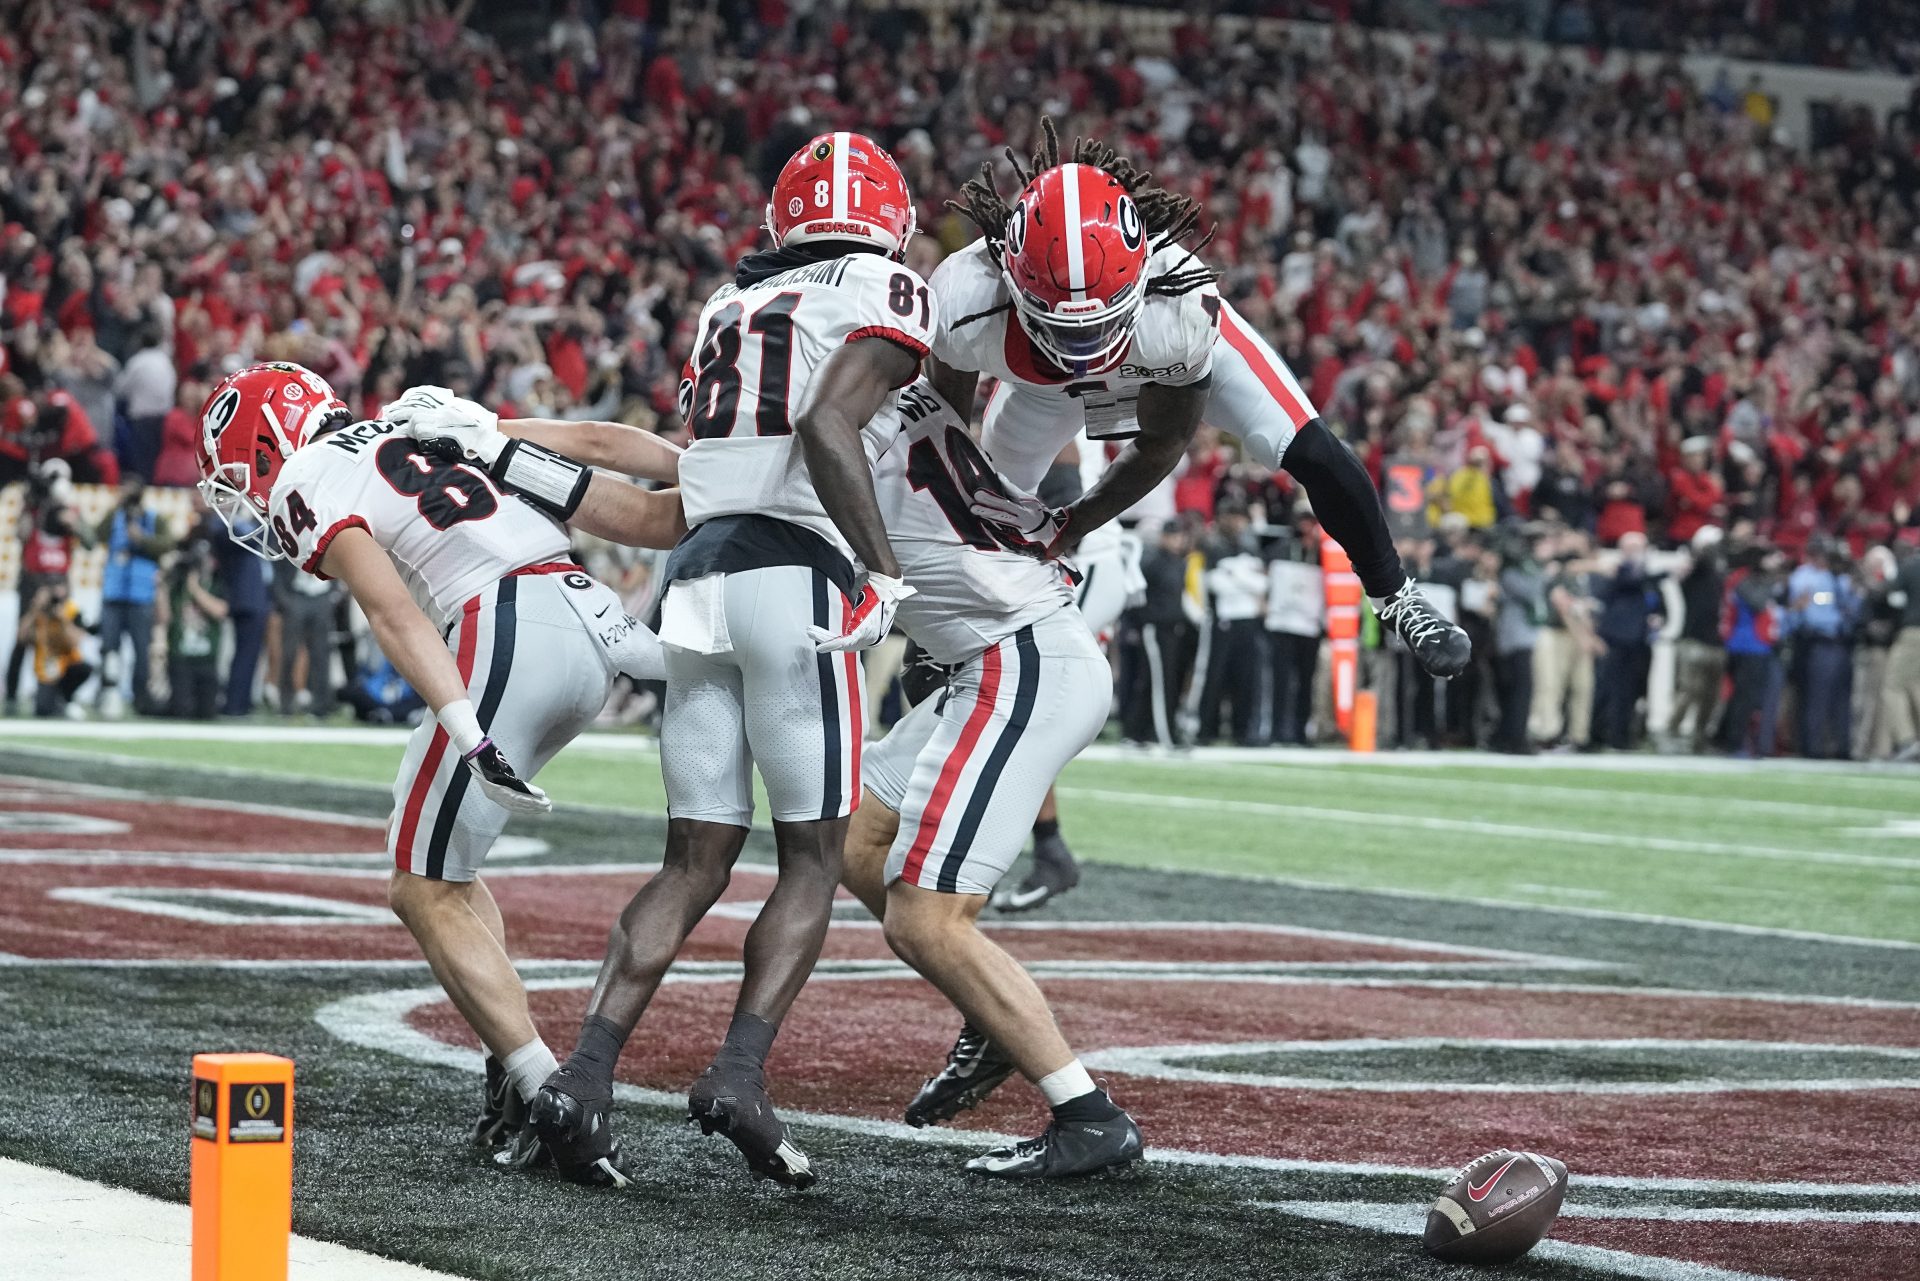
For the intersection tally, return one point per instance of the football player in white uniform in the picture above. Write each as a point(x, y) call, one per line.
point(956, 784)
point(1079, 299)
point(786, 571)
point(470, 594)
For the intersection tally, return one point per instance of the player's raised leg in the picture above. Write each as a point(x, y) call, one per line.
point(1256, 398)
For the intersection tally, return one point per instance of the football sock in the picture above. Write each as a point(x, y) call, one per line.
point(749, 1038)
point(1069, 1082)
point(598, 1050)
point(1046, 829)
point(1347, 505)
point(529, 1067)
point(1094, 1105)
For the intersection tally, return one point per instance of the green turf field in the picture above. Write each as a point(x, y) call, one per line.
point(1602, 989)
point(1717, 846)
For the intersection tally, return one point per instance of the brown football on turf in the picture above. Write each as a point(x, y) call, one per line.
point(1496, 1209)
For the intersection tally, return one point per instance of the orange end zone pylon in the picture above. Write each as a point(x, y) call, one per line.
point(1365, 726)
point(242, 1166)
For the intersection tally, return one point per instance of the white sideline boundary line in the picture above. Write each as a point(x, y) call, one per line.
point(1399, 1219)
point(378, 1021)
point(56, 1227)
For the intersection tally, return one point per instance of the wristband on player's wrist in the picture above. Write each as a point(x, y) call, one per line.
point(550, 481)
point(462, 726)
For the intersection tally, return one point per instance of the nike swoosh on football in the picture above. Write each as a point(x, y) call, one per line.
point(1480, 1193)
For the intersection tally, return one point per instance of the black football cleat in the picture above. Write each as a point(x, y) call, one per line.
point(732, 1100)
point(975, 1068)
point(1067, 1150)
point(493, 1127)
point(1439, 646)
point(1054, 872)
point(570, 1118)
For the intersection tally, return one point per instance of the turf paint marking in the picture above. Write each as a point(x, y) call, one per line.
point(1168, 1063)
point(1404, 1220)
point(202, 906)
point(1735, 1214)
point(380, 1021)
point(56, 823)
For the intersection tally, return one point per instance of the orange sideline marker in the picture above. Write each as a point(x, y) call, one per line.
point(242, 1166)
point(1365, 712)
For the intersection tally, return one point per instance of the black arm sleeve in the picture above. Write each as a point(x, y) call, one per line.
point(1346, 505)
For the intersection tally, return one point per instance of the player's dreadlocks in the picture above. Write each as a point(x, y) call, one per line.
point(1168, 218)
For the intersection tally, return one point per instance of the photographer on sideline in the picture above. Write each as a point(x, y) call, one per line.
point(135, 539)
point(52, 627)
point(193, 610)
point(45, 531)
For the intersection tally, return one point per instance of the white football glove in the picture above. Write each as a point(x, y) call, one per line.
point(435, 414)
point(504, 787)
point(868, 621)
point(1022, 522)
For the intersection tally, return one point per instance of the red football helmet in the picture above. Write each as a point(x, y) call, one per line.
point(1076, 261)
point(842, 186)
point(251, 424)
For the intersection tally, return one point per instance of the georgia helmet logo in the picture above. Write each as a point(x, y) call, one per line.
point(1017, 229)
point(220, 413)
point(1131, 231)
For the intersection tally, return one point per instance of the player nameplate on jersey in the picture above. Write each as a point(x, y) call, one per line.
point(205, 1099)
point(1111, 415)
point(257, 1112)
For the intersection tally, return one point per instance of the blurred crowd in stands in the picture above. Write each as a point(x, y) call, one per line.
point(1622, 353)
point(1856, 34)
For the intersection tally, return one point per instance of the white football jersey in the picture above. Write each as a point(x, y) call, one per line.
point(1172, 345)
point(969, 590)
point(758, 348)
point(448, 529)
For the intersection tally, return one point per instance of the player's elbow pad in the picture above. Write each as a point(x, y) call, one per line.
point(554, 483)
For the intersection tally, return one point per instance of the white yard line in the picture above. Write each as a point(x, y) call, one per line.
point(55, 1227)
point(1372, 818)
point(1515, 905)
point(1399, 1219)
point(1610, 794)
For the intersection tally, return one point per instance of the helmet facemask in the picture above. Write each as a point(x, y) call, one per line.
point(1073, 334)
